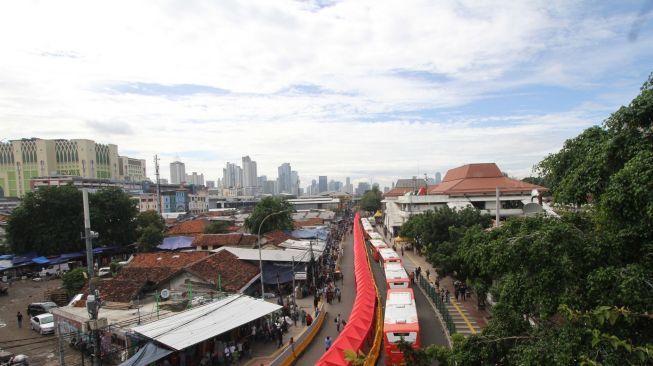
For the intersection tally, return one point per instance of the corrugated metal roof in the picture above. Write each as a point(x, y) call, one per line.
point(193, 326)
point(287, 255)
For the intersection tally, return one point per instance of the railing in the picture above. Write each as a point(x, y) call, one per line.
point(292, 352)
point(437, 301)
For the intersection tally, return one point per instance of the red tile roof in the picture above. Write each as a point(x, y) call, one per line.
point(396, 192)
point(314, 221)
point(231, 239)
point(480, 178)
point(153, 275)
point(170, 260)
point(277, 237)
point(234, 273)
point(189, 228)
point(116, 290)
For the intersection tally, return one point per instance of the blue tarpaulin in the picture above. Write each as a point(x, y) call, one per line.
point(40, 260)
point(102, 250)
point(176, 242)
point(321, 234)
point(285, 271)
point(23, 259)
point(147, 355)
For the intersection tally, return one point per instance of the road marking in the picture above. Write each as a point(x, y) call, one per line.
point(469, 324)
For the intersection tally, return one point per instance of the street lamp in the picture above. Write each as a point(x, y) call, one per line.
point(260, 253)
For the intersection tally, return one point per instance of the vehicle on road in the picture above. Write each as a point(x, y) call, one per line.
point(104, 271)
point(376, 246)
point(37, 308)
point(44, 323)
point(389, 256)
point(396, 276)
point(400, 323)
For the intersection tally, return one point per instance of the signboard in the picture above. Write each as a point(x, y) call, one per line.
point(300, 275)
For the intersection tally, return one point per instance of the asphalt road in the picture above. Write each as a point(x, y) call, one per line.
point(430, 328)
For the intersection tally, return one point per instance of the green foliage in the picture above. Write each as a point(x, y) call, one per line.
point(112, 216)
point(217, 227)
point(371, 200)
point(150, 237)
point(74, 280)
point(51, 219)
point(356, 359)
point(424, 356)
point(280, 215)
point(440, 231)
point(150, 217)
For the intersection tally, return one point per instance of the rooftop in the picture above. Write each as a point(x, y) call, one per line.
point(234, 274)
point(190, 227)
point(231, 239)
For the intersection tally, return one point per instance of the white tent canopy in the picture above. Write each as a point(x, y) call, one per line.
point(196, 325)
point(268, 255)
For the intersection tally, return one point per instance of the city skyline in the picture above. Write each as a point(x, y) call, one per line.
point(466, 83)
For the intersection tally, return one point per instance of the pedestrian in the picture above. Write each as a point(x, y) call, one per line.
point(309, 320)
point(327, 343)
point(428, 274)
point(279, 338)
point(303, 316)
point(339, 294)
point(316, 301)
point(412, 277)
point(418, 271)
point(446, 296)
point(291, 343)
point(402, 250)
point(337, 320)
point(19, 318)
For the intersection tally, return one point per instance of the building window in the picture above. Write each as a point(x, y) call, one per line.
point(479, 205)
point(205, 247)
point(513, 204)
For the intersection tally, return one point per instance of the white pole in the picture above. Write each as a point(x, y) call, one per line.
point(498, 208)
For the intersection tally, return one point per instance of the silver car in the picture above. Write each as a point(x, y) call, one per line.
point(44, 323)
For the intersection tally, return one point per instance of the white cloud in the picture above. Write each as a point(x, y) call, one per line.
point(59, 59)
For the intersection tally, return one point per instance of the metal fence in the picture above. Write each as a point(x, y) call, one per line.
point(437, 300)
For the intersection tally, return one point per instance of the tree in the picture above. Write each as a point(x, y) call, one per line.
point(371, 200)
point(356, 359)
point(150, 228)
point(149, 238)
point(217, 227)
point(280, 219)
point(112, 216)
point(50, 220)
point(74, 280)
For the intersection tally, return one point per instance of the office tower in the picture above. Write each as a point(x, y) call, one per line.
point(195, 179)
point(210, 184)
point(177, 172)
point(232, 176)
point(322, 183)
point(284, 179)
point(438, 178)
point(362, 188)
point(349, 188)
point(294, 182)
point(250, 177)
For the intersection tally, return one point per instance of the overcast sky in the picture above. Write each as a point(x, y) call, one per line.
point(367, 89)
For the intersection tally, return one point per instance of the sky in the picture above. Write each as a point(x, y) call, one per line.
point(372, 90)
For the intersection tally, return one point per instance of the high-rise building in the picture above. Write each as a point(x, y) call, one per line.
point(232, 176)
point(22, 160)
point(284, 180)
point(177, 172)
point(349, 188)
point(210, 184)
point(294, 182)
point(195, 179)
point(322, 183)
point(438, 178)
point(250, 177)
point(362, 188)
point(270, 187)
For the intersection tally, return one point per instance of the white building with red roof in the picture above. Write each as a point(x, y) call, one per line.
point(471, 185)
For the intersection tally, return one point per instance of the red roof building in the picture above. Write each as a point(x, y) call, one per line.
point(188, 228)
point(215, 241)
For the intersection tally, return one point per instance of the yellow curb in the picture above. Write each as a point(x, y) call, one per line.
point(469, 324)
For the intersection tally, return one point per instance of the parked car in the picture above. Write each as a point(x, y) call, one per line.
point(104, 271)
point(44, 323)
point(37, 308)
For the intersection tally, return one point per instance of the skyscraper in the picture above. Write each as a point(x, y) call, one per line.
point(195, 179)
point(294, 182)
point(284, 180)
point(438, 178)
point(322, 183)
point(232, 176)
point(250, 178)
point(177, 172)
point(349, 188)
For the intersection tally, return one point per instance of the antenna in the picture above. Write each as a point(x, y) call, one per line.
point(158, 185)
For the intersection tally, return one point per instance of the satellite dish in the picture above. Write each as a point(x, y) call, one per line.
point(165, 293)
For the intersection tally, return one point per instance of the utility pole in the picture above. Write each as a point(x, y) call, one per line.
point(61, 347)
point(310, 243)
point(158, 185)
point(293, 280)
point(92, 300)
